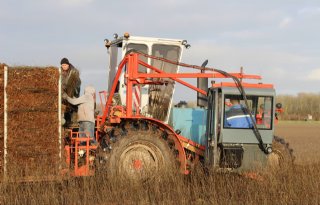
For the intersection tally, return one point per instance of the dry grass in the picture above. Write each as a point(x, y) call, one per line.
point(298, 186)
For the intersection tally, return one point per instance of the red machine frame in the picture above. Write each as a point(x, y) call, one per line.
point(114, 114)
point(129, 65)
point(133, 78)
point(73, 149)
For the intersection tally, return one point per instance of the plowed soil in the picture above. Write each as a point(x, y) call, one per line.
point(303, 138)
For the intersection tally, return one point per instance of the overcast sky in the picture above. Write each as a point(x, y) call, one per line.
point(278, 39)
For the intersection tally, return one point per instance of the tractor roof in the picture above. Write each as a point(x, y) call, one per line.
point(140, 39)
point(250, 89)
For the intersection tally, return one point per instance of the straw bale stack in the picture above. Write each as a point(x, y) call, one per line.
point(1, 118)
point(33, 140)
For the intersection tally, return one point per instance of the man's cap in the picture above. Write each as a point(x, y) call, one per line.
point(64, 61)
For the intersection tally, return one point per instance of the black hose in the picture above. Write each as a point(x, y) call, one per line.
point(236, 80)
point(243, 93)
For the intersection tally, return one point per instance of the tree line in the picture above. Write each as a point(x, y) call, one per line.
point(300, 106)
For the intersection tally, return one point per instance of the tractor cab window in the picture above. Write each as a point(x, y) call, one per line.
point(236, 112)
point(144, 49)
point(169, 52)
point(114, 59)
point(263, 112)
point(160, 96)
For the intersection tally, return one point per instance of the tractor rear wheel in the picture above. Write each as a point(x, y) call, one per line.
point(281, 156)
point(139, 152)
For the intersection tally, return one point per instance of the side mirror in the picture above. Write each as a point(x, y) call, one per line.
point(205, 63)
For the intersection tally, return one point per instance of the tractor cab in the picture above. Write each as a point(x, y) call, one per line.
point(151, 100)
point(239, 133)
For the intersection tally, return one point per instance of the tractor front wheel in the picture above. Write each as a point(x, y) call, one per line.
point(140, 154)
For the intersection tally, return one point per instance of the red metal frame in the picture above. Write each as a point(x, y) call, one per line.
point(133, 77)
point(73, 150)
point(129, 65)
point(116, 79)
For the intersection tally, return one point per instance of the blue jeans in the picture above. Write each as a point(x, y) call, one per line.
point(87, 127)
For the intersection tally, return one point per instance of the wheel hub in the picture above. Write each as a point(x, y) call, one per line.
point(140, 159)
point(137, 164)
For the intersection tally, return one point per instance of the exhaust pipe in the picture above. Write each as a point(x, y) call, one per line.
point(202, 83)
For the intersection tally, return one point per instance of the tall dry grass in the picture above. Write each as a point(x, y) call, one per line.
point(298, 186)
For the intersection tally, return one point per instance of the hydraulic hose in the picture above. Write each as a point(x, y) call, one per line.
point(235, 79)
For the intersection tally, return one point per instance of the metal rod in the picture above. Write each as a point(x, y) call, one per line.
point(5, 120)
point(175, 79)
point(112, 91)
point(195, 75)
point(59, 118)
point(215, 137)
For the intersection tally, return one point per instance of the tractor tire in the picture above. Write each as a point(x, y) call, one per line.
point(281, 157)
point(139, 153)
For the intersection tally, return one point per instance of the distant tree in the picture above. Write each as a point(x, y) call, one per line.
point(298, 107)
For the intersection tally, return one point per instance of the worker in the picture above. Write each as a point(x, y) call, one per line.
point(70, 84)
point(70, 78)
point(260, 115)
point(237, 116)
point(86, 108)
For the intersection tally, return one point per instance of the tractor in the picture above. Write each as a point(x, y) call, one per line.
point(141, 133)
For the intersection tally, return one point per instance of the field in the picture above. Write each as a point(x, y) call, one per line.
point(304, 138)
point(300, 185)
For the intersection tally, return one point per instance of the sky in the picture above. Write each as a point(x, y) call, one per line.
point(278, 40)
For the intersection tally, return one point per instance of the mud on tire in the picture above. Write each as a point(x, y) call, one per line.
point(282, 155)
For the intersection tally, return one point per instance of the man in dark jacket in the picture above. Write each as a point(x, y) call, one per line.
point(70, 79)
point(70, 85)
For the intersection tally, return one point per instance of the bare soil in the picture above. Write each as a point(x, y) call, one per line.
point(303, 137)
